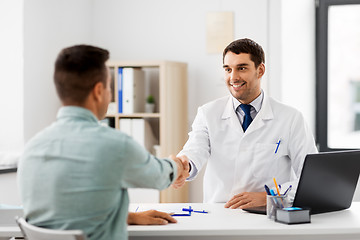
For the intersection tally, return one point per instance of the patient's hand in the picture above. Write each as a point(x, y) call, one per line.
point(182, 163)
point(150, 217)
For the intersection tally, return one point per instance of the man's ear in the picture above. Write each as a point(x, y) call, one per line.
point(98, 91)
point(261, 70)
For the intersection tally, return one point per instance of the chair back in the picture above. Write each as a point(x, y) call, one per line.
point(32, 232)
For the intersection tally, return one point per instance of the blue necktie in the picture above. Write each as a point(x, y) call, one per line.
point(247, 119)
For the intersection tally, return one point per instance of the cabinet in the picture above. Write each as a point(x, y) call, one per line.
point(166, 81)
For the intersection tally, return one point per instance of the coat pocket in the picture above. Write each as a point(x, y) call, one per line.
point(265, 162)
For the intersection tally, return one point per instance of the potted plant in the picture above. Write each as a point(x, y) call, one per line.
point(150, 104)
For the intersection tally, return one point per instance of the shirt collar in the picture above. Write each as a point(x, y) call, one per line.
point(256, 103)
point(76, 112)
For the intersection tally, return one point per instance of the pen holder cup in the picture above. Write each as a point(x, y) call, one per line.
point(275, 202)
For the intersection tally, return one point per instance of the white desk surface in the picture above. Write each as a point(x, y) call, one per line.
point(222, 223)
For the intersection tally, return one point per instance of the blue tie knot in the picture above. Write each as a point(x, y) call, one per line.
point(246, 108)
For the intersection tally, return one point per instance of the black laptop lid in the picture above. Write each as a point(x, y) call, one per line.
point(328, 181)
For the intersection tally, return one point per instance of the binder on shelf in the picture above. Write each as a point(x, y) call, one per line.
point(125, 126)
point(143, 134)
point(120, 90)
point(140, 130)
point(133, 94)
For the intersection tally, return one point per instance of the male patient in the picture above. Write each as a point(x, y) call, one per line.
point(75, 173)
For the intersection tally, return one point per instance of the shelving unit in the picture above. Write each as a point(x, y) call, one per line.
point(167, 82)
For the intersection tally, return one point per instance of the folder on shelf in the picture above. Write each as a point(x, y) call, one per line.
point(140, 130)
point(133, 94)
point(143, 134)
point(120, 90)
point(125, 126)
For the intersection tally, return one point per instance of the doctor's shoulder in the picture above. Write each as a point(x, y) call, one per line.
point(283, 110)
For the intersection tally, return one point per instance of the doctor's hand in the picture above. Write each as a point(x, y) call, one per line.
point(151, 217)
point(247, 200)
point(182, 163)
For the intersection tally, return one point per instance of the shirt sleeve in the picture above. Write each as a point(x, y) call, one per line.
point(197, 148)
point(143, 170)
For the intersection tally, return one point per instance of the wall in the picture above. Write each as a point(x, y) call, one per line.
point(298, 57)
point(49, 26)
point(175, 30)
point(11, 72)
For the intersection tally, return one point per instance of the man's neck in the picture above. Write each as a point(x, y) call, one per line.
point(87, 105)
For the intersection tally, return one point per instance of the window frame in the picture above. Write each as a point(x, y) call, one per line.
point(322, 9)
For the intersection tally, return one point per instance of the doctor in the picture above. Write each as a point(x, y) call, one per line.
point(247, 138)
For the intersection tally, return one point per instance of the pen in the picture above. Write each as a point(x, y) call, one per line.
point(272, 193)
point(287, 190)
point(191, 210)
point(181, 214)
point(276, 185)
point(267, 190)
point(203, 211)
point(278, 144)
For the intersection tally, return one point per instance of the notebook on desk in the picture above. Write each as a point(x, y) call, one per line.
point(327, 182)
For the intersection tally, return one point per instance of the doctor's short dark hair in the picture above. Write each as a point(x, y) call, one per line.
point(246, 45)
point(77, 70)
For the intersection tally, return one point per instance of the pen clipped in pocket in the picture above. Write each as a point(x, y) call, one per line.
point(265, 162)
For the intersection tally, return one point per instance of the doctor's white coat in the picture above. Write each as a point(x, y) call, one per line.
point(244, 162)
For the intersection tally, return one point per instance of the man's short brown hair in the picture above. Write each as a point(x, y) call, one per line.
point(77, 70)
point(249, 46)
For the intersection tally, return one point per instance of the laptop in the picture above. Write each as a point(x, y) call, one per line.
point(327, 182)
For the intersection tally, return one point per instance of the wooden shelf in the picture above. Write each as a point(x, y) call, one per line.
point(134, 115)
point(167, 82)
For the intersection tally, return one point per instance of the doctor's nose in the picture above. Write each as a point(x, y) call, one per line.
point(234, 76)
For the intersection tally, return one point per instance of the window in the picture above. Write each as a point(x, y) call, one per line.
point(338, 74)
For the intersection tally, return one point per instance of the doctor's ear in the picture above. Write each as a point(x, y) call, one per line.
point(261, 70)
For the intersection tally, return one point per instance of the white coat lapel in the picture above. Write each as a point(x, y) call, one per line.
point(230, 117)
point(263, 115)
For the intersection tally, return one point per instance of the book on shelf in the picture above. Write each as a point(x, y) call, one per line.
point(120, 90)
point(140, 130)
point(133, 90)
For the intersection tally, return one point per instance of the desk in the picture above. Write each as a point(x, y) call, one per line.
point(7, 232)
point(231, 224)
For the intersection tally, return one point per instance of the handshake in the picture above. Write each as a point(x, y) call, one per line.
point(182, 163)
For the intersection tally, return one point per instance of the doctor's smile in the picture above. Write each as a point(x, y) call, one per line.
point(237, 86)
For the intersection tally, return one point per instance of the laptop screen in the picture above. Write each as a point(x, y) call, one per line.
point(328, 181)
